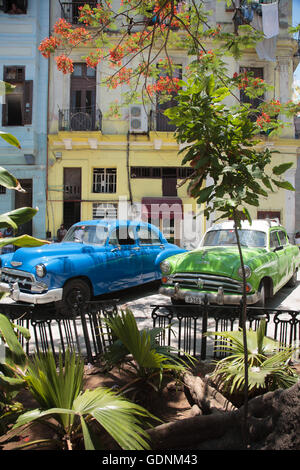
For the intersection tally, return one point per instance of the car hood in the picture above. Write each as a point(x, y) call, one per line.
point(27, 258)
point(223, 261)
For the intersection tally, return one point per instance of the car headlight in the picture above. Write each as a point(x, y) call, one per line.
point(40, 270)
point(165, 267)
point(247, 271)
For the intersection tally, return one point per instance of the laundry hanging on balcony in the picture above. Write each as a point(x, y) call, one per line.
point(270, 22)
point(265, 19)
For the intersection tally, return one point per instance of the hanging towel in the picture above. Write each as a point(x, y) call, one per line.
point(270, 21)
point(265, 49)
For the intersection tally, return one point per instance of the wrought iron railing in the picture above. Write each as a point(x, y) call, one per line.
point(184, 327)
point(70, 11)
point(80, 119)
point(159, 122)
point(192, 325)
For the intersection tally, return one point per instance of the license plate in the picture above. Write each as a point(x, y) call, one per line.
point(190, 299)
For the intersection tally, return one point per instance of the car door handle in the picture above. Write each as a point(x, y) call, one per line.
point(136, 248)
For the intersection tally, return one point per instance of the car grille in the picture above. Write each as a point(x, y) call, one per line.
point(25, 280)
point(208, 282)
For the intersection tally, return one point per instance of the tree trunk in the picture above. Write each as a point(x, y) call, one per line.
point(273, 422)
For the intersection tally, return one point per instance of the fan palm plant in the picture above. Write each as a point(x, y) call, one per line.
point(58, 390)
point(12, 361)
point(142, 350)
point(268, 362)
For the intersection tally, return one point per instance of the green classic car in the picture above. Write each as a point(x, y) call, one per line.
point(213, 273)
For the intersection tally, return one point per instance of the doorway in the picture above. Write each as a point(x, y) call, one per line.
point(24, 200)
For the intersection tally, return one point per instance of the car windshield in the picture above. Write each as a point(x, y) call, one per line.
point(92, 234)
point(228, 237)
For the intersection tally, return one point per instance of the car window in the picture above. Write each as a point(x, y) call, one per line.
point(148, 236)
point(274, 242)
point(122, 236)
point(228, 237)
point(91, 234)
point(282, 237)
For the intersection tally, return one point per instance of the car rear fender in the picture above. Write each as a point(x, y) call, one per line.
point(167, 253)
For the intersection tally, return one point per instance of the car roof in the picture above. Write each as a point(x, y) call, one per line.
point(259, 224)
point(115, 223)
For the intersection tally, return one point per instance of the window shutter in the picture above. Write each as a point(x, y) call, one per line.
point(28, 96)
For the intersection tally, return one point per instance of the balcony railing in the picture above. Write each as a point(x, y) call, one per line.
point(159, 122)
point(87, 119)
point(70, 10)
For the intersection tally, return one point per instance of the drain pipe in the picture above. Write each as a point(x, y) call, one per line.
point(128, 168)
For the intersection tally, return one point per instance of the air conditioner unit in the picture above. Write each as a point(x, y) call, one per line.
point(138, 120)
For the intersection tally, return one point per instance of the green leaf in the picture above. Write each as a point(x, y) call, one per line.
point(210, 85)
point(280, 169)
point(10, 139)
point(204, 194)
point(17, 217)
point(23, 240)
point(10, 338)
point(284, 185)
point(9, 181)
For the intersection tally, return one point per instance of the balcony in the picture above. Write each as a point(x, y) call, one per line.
point(80, 119)
point(70, 10)
point(159, 122)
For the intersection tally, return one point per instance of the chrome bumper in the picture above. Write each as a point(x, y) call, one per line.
point(15, 294)
point(218, 298)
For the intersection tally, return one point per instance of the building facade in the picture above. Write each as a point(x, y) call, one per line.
point(23, 113)
point(129, 166)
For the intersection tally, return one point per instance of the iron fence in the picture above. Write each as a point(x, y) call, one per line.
point(188, 327)
point(185, 328)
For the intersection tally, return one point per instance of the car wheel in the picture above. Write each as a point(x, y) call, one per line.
point(262, 292)
point(293, 281)
point(74, 291)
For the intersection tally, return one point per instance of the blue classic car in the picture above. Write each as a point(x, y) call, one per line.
point(95, 257)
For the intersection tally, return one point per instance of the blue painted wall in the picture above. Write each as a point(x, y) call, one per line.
point(20, 36)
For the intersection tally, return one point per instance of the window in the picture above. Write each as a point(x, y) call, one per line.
point(159, 172)
point(273, 215)
point(105, 210)
point(2, 189)
point(17, 110)
point(145, 172)
point(255, 72)
point(14, 7)
point(70, 11)
point(162, 121)
point(104, 180)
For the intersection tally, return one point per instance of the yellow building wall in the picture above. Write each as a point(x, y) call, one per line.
point(112, 151)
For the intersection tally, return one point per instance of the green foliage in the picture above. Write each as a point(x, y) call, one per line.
point(141, 349)
point(58, 390)
point(13, 364)
point(221, 144)
point(267, 362)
